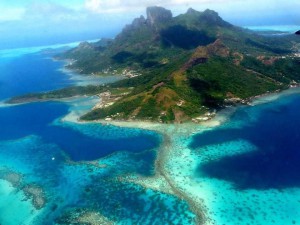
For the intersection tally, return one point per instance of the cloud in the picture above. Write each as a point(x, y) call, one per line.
point(104, 6)
point(50, 12)
point(49, 20)
point(55, 18)
point(11, 14)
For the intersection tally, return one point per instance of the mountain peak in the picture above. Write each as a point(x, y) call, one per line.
point(211, 13)
point(158, 14)
point(191, 11)
point(213, 17)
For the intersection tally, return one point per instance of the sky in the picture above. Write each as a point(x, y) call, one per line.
point(37, 22)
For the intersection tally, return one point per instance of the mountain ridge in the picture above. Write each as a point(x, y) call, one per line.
point(185, 67)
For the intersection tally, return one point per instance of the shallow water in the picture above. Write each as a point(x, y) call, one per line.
point(11, 202)
point(283, 28)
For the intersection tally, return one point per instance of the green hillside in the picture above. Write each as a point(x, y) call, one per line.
point(181, 68)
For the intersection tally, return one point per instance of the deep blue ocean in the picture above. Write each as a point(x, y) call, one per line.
point(274, 130)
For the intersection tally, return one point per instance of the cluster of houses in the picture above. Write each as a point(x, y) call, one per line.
point(126, 72)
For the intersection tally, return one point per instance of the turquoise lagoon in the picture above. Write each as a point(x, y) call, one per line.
point(290, 29)
point(246, 169)
point(240, 168)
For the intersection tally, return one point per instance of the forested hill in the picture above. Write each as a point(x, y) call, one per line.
point(181, 68)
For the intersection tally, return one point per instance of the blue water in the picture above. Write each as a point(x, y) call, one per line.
point(36, 119)
point(36, 72)
point(55, 155)
point(274, 130)
point(30, 73)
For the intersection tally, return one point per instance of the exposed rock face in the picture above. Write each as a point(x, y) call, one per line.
point(158, 14)
point(138, 22)
point(155, 15)
point(213, 18)
point(213, 15)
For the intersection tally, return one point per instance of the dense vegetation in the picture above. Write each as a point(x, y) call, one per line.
point(187, 66)
point(219, 77)
point(177, 36)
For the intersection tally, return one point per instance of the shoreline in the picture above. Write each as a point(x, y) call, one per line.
point(169, 144)
point(220, 117)
point(65, 99)
point(168, 148)
point(216, 120)
point(84, 79)
point(212, 120)
point(273, 96)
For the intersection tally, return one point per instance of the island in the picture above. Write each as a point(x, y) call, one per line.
point(179, 69)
